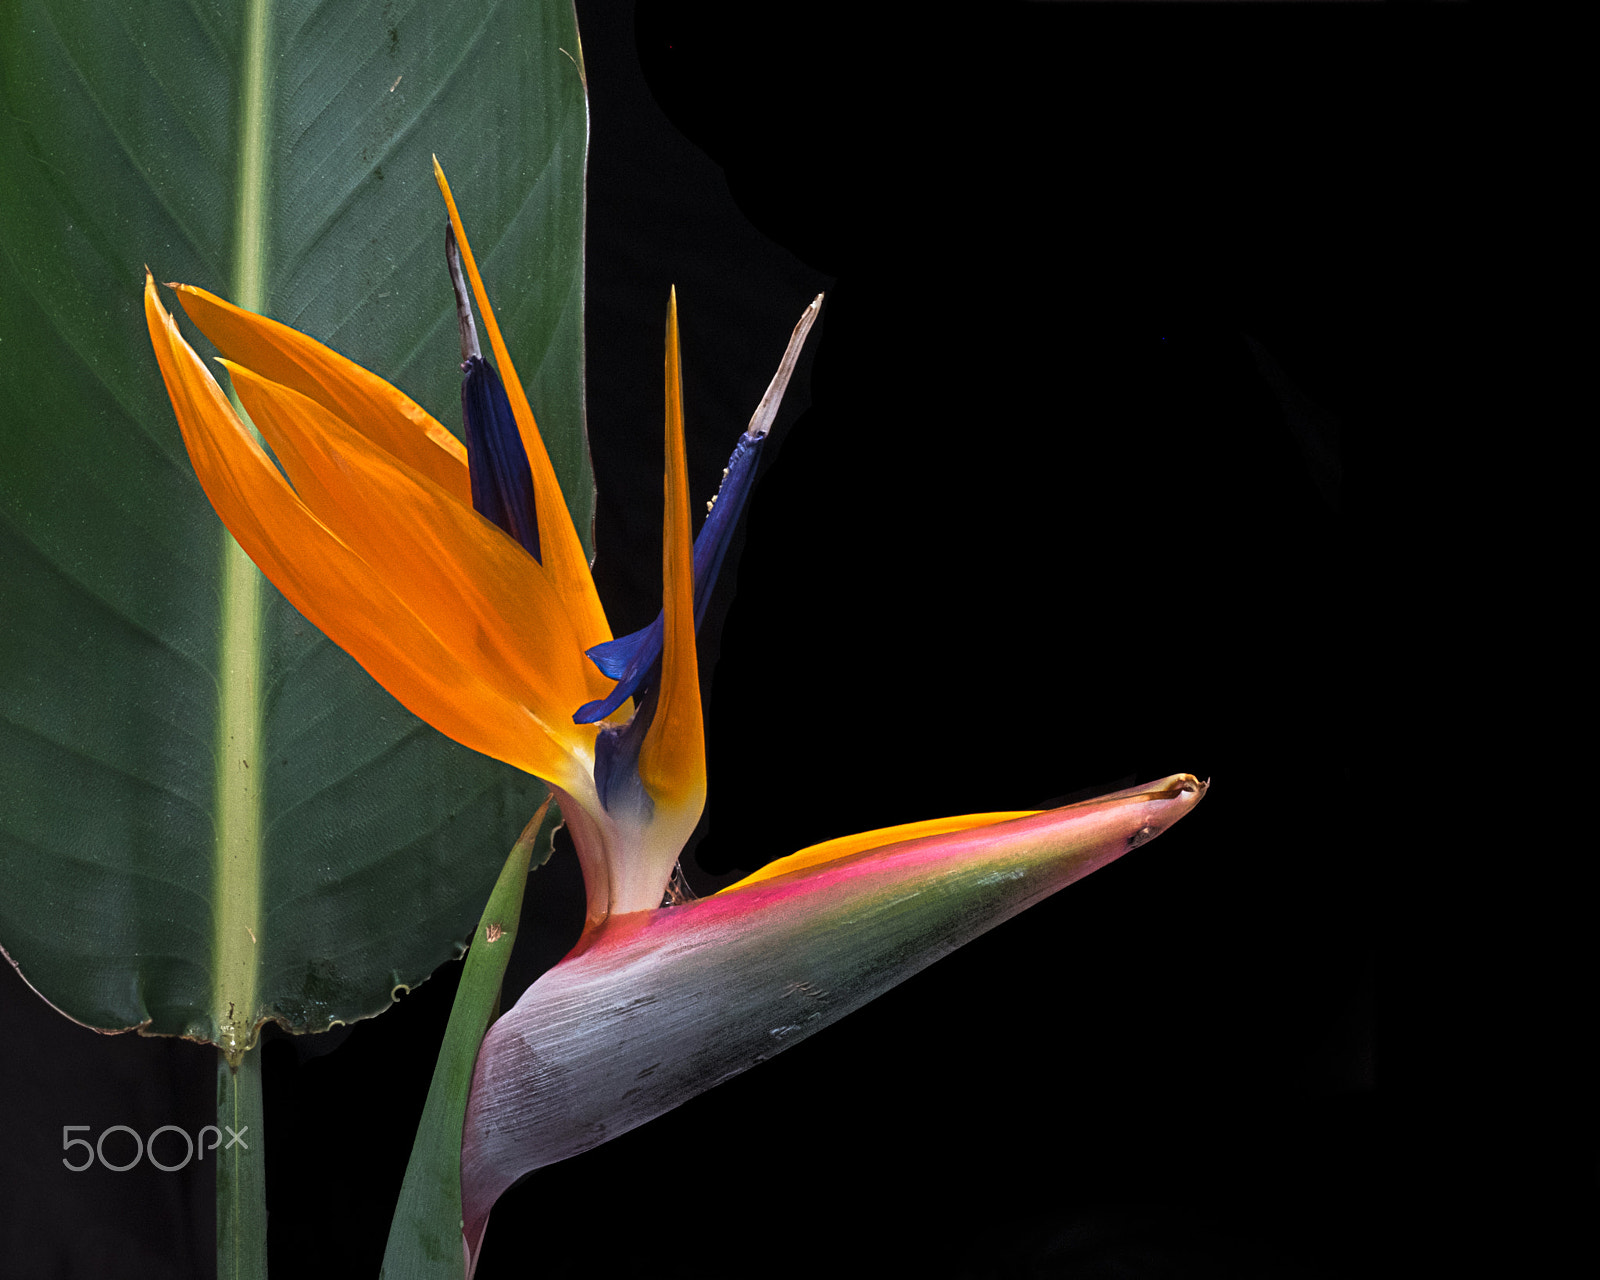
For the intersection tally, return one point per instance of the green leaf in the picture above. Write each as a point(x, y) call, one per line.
point(209, 815)
point(425, 1235)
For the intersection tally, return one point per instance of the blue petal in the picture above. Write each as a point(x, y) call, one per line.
point(711, 546)
point(502, 482)
point(616, 764)
point(633, 659)
point(616, 657)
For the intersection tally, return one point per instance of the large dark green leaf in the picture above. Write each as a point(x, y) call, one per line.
point(209, 814)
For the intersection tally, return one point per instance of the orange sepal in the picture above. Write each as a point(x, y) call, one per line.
point(474, 588)
point(559, 547)
point(336, 590)
point(387, 416)
point(672, 759)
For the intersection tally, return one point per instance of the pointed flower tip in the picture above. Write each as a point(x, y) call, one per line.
point(1168, 788)
point(443, 183)
point(767, 411)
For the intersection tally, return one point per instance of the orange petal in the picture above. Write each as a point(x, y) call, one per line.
point(389, 418)
point(672, 759)
point(559, 547)
point(336, 590)
point(480, 593)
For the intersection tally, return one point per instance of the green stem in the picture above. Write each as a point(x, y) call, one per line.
point(241, 1171)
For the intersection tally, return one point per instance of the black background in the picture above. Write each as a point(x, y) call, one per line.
point(1130, 309)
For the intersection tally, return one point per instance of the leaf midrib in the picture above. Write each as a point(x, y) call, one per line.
point(239, 759)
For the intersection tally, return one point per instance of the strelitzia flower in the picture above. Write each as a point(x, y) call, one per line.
point(453, 574)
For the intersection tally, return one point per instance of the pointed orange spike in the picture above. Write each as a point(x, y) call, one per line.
point(337, 591)
point(559, 547)
point(672, 759)
point(387, 416)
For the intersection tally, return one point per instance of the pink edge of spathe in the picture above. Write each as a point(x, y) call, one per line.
point(658, 1006)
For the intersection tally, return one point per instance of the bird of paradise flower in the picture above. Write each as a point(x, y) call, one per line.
point(452, 573)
